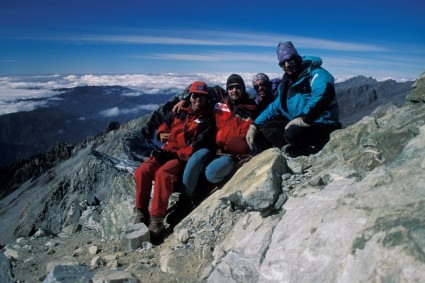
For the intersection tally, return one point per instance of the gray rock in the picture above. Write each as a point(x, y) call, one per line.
point(373, 227)
point(5, 270)
point(183, 235)
point(418, 92)
point(257, 184)
point(134, 237)
point(13, 253)
point(174, 260)
point(96, 262)
point(244, 249)
point(93, 250)
point(69, 274)
point(66, 261)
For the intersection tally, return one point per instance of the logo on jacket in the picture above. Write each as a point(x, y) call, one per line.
point(222, 107)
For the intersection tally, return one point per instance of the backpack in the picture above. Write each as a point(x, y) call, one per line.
point(275, 83)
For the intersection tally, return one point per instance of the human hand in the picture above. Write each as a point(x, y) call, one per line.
point(179, 105)
point(163, 137)
point(297, 122)
point(250, 135)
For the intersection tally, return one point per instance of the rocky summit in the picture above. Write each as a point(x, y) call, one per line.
point(354, 212)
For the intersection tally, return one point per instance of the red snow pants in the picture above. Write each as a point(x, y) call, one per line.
point(166, 177)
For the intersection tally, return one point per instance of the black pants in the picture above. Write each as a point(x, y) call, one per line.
point(303, 140)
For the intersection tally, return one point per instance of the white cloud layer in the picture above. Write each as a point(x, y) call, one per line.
point(25, 93)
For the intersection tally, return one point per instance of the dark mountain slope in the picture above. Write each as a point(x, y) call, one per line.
point(72, 115)
point(91, 101)
point(27, 133)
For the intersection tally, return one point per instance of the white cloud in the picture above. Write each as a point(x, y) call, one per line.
point(222, 38)
point(115, 111)
point(214, 57)
point(13, 107)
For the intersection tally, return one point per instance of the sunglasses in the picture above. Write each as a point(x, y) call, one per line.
point(291, 62)
point(198, 95)
point(237, 86)
point(257, 86)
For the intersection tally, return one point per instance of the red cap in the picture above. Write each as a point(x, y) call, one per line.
point(198, 87)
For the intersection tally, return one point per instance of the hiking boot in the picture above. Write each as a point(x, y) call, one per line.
point(156, 226)
point(181, 209)
point(140, 217)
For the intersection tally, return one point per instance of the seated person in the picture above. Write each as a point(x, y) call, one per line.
point(263, 86)
point(184, 132)
point(305, 112)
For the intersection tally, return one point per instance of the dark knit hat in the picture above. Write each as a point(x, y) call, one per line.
point(286, 51)
point(235, 79)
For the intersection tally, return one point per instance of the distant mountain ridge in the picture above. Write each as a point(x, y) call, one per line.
point(27, 133)
point(359, 96)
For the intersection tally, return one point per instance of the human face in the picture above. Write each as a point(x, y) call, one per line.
point(198, 101)
point(234, 91)
point(289, 66)
point(261, 87)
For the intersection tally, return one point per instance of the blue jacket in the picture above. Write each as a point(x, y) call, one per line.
point(311, 97)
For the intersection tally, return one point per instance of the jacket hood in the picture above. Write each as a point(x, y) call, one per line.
point(315, 62)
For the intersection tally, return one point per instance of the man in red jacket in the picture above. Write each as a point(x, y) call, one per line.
point(184, 133)
point(233, 116)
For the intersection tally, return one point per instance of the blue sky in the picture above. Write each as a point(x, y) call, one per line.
point(382, 39)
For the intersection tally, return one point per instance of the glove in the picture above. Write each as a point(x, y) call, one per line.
point(297, 122)
point(162, 155)
point(250, 135)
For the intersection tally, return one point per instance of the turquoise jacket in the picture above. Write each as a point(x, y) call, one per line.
point(312, 97)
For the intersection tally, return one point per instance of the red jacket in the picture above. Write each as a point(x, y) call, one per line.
point(232, 122)
point(188, 131)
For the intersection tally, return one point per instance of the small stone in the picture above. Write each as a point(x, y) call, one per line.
point(93, 250)
point(147, 245)
point(20, 240)
point(112, 264)
point(206, 252)
point(183, 235)
point(96, 262)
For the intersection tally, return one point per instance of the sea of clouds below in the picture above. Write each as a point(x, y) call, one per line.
point(26, 93)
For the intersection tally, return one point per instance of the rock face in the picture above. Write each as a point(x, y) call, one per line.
point(359, 96)
point(354, 212)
